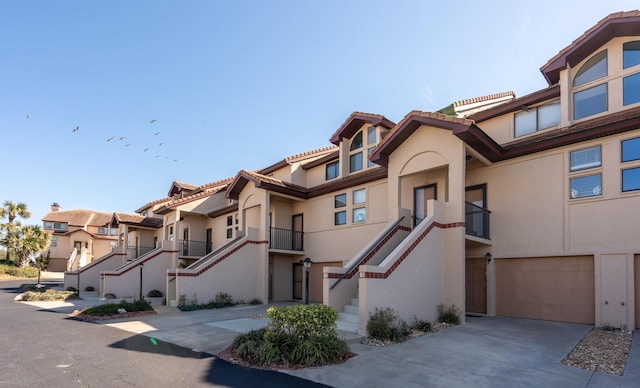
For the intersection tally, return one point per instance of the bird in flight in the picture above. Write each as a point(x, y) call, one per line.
point(161, 144)
point(123, 137)
point(127, 145)
point(76, 129)
point(27, 115)
point(157, 133)
point(111, 138)
point(153, 121)
point(146, 149)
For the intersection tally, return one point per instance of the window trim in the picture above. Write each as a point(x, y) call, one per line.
point(537, 118)
point(588, 62)
point(600, 194)
point(622, 179)
point(331, 167)
point(587, 166)
point(622, 149)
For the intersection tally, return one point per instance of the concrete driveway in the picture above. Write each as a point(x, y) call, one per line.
point(485, 352)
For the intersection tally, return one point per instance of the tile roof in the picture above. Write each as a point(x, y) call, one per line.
point(614, 25)
point(79, 217)
point(305, 156)
point(136, 219)
point(153, 203)
point(264, 182)
point(517, 104)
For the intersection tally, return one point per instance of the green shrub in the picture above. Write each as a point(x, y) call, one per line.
point(448, 314)
point(255, 301)
point(303, 321)
point(385, 325)
point(48, 295)
point(112, 308)
point(424, 326)
point(89, 288)
point(301, 335)
point(224, 299)
point(155, 294)
point(22, 272)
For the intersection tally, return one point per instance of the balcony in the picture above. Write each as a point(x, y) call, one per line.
point(477, 221)
point(285, 239)
point(193, 248)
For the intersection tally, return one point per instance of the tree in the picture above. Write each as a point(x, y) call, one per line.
point(31, 239)
point(12, 210)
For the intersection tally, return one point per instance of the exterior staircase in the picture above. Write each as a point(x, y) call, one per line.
point(349, 319)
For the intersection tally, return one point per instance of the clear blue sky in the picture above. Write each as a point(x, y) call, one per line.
point(238, 84)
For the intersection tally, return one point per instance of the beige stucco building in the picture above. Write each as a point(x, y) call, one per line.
point(498, 205)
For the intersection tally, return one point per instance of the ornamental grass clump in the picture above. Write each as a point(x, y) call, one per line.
point(301, 335)
point(448, 314)
point(385, 325)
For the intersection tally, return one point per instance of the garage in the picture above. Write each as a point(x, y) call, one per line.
point(550, 288)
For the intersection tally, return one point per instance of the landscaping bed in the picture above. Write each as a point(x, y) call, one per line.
point(603, 350)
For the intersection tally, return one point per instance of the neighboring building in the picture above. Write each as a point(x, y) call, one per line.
point(77, 237)
point(525, 207)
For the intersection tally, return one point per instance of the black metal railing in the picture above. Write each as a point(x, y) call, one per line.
point(476, 220)
point(286, 239)
point(193, 248)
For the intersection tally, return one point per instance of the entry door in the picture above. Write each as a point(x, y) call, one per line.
point(185, 242)
point(78, 246)
point(297, 242)
point(297, 280)
point(209, 246)
point(476, 285)
point(420, 197)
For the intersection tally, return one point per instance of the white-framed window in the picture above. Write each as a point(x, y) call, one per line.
point(113, 231)
point(585, 158)
point(359, 196)
point(355, 153)
point(359, 214)
point(103, 230)
point(362, 145)
point(372, 141)
point(54, 241)
point(48, 225)
point(59, 226)
point(537, 118)
point(340, 201)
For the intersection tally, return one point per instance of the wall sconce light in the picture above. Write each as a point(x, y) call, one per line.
point(488, 256)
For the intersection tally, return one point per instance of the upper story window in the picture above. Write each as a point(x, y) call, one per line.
point(113, 231)
point(59, 226)
point(537, 118)
point(54, 241)
point(592, 100)
point(355, 153)
point(363, 141)
point(630, 149)
point(340, 217)
point(595, 68)
point(586, 158)
point(332, 170)
point(630, 54)
point(102, 230)
point(48, 225)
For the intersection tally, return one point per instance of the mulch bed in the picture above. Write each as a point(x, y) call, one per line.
point(229, 355)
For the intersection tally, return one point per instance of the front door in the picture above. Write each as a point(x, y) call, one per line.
point(297, 280)
point(209, 242)
point(476, 285)
point(420, 197)
point(78, 246)
point(185, 242)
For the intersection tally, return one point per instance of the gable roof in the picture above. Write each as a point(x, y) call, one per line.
point(178, 187)
point(615, 25)
point(79, 217)
point(263, 182)
point(518, 104)
point(355, 121)
point(210, 189)
point(309, 155)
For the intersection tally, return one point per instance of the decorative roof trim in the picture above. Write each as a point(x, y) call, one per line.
point(614, 25)
point(355, 121)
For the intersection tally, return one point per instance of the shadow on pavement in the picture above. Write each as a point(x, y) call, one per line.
point(141, 343)
point(226, 374)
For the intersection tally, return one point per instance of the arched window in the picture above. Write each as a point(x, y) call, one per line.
point(593, 100)
point(594, 69)
point(355, 153)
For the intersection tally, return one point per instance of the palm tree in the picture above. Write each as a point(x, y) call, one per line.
point(31, 239)
point(12, 210)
